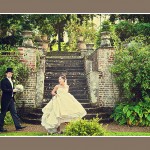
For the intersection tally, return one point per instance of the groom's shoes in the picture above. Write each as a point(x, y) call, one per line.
point(20, 128)
point(3, 130)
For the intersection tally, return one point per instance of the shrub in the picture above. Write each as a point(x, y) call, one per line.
point(8, 119)
point(85, 127)
point(126, 29)
point(106, 26)
point(21, 71)
point(133, 114)
point(131, 70)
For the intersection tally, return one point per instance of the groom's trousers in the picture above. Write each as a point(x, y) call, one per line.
point(11, 107)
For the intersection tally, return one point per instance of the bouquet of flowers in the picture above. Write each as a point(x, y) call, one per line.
point(19, 87)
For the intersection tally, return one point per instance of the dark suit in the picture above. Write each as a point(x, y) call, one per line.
point(7, 103)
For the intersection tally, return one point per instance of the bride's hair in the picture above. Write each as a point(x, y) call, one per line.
point(64, 78)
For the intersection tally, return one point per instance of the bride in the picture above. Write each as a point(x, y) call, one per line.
point(62, 108)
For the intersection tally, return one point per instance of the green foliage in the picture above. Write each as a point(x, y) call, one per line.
point(131, 70)
point(128, 134)
point(44, 134)
point(144, 18)
point(126, 29)
point(21, 71)
point(85, 127)
point(74, 30)
point(133, 114)
point(106, 25)
point(8, 119)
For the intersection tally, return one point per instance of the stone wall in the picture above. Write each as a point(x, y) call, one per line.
point(27, 98)
point(34, 88)
point(103, 91)
point(108, 91)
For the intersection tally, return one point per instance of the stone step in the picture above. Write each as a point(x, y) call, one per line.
point(77, 68)
point(88, 116)
point(34, 121)
point(85, 105)
point(64, 57)
point(77, 96)
point(80, 100)
point(77, 85)
point(38, 121)
point(35, 118)
point(69, 81)
point(71, 88)
point(89, 110)
point(61, 53)
point(64, 62)
point(99, 115)
point(102, 118)
point(53, 76)
point(64, 70)
point(57, 74)
point(67, 65)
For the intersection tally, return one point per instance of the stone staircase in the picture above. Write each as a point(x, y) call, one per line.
point(71, 64)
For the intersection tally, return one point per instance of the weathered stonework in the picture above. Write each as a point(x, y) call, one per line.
point(103, 90)
point(34, 89)
point(108, 93)
point(27, 98)
point(28, 56)
point(40, 81)
point(93, 78)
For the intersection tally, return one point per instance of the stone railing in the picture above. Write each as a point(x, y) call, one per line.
point(103, 90)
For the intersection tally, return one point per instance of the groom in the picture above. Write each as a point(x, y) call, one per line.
point(8, 102)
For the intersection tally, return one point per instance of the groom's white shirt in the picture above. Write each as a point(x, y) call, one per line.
point(11, 83)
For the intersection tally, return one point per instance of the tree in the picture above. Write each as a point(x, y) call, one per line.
point(132, 17)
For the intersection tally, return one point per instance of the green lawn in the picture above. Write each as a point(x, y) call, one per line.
point(44, 134)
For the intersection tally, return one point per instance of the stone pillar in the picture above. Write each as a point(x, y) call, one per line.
point(103, 90)
point(40, 80)
point(27, 39)
point(28, 56)
point(93, 82)
point(92, 77)
point(108, 92)
point(105, 39)
point(89, 48)
point(81, 46)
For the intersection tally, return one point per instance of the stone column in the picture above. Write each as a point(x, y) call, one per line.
point(81, 46)
point(92, 77)
point(89, 48)
point(28, 56)
point(108, 91)
point(40, 80)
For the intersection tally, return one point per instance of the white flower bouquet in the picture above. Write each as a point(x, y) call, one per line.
point(19, 88)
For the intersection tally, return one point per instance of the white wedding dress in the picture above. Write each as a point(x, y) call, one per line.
point(63, 107)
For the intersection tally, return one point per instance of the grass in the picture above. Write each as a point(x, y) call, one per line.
point(45, 134)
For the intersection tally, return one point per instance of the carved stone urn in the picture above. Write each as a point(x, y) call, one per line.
point(105, 39)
